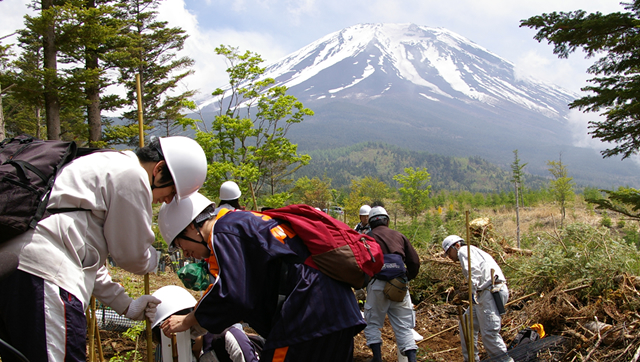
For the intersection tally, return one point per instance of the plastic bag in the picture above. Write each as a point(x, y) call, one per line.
point(195, 276)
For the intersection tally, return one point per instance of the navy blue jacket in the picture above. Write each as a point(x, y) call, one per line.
point(256, 259)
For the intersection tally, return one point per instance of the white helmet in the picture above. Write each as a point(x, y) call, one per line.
point(377, 211)
point(364, 210)
point(175, 217)
point(229, 190)
point(449, 241)
point(187, 164)
point(174, 299)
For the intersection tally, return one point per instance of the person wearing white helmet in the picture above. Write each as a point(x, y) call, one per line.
point(101, 206)
point(259, 277)
point(229, 195)
point(363, 226)
point(486, 315)
point(401, 263)
point(232, 345)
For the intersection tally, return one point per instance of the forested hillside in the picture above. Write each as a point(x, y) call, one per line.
point(384, 161)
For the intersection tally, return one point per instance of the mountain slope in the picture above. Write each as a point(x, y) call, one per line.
point(429, 89)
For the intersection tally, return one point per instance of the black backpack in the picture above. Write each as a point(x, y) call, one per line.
point(28, 169)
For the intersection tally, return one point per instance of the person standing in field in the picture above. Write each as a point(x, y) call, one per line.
point(363, 226)
point(401, 264)
point(486, 279)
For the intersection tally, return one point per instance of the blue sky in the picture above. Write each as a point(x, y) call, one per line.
point(275, 28)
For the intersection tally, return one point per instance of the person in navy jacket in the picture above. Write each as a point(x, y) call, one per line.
point(258, 277)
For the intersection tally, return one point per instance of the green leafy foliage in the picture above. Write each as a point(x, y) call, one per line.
point(561, 185)
point(615, 85)
point(314, 192)
point(414, 190)
point(247, 141)
point(625, 201)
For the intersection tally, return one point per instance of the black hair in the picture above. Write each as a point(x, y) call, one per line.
point(234, 203)
point(153, 153)
point(379, 220)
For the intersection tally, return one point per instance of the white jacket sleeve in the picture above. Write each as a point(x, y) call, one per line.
point(109, 292)
point(127, 225)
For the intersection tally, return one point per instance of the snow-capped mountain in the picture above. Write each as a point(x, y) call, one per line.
point(373, 59)
point(427, 89)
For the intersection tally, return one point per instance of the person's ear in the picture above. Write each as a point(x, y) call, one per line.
point(158, 167)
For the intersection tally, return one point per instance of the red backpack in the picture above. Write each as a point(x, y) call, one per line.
point(336, 250)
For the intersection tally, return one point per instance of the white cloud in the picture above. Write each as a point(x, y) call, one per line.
point(12, 18)
point(543, 66)
point(200, 45)
point(578, 123)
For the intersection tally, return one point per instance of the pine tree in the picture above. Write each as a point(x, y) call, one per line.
point(516, 168)
point(561, 186)
point(152, 51)
point(616, 85)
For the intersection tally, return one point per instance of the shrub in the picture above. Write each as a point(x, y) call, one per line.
point(606, 220)
point(581, 255)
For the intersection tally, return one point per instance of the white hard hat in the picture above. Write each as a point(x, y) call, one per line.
point(175, 217)
point(449, 241)
point(174, 299)
point(229, 190)
point(377, 211)
point(187, 164)
point(365, 209)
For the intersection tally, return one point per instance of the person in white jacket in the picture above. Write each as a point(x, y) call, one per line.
point(486, 317)
point(62, 260)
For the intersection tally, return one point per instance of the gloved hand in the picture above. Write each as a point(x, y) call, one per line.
point(146, 305)
point(361, 294)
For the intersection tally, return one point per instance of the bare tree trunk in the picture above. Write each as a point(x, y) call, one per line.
point(51, 99)
point(92, 91)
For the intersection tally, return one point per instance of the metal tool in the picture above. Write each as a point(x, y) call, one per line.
point(495, 292)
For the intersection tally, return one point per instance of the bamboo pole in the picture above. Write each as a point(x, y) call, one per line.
point(140, 123)
point(99, 341)
point(470, 339)
point(92, 328)
point(146, 276)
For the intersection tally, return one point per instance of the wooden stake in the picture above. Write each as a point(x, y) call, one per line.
point(140, 123)
point(100, 353)
point(470, 345)
point(92, 328)
point(146, 276)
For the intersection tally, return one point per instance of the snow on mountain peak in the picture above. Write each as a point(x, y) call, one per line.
point(368, 60)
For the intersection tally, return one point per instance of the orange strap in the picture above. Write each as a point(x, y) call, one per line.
point(280, 354)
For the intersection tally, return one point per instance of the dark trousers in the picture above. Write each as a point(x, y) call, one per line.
point(23, 319)
point(335, 347)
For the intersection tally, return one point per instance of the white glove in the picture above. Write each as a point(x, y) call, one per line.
point(146, 305)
